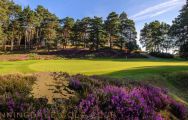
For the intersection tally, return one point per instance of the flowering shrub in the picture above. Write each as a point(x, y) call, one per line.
point(75, 84)
point(84, 83)
point(139, 103)
point(94, 99)
point(19, 83)
point(156, 98)
point(178, 110)
point(15, 97)
point(31, 108)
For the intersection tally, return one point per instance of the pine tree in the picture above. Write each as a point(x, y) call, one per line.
point(112, 26)
point(97, 35)
point(127, 33)
point(68, 24)
point(179, 30)
point(155, 37)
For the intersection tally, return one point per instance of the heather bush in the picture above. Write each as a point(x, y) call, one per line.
point(32, 108)
point(16, 97)
point(94, 98)
point(33, 56)
point(103, 98)
point(155, 97)
point(85, 83)
point(161, 55)
point(179, 110)
point(19, 83)
point(75, 84)
point(118, 103)
point(139, 103)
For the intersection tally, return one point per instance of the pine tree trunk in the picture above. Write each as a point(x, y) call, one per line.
point(12, 45)
point(121, 45)
point(4, 44)
point(110, 42)
point(25, 40)
point(37, 42)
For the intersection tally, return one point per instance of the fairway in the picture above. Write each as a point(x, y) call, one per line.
point(111, 67)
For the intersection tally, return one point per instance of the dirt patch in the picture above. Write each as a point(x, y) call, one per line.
point(47, 87)
point(21, 57)
point(14, 57)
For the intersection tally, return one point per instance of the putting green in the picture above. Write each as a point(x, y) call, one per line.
point(110, 67)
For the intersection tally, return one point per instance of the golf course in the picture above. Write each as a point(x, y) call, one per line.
point(159, 72)
point(118, 68)
point(94, 60)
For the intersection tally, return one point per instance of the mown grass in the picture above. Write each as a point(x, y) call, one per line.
point(155, 72)
point(118, 68)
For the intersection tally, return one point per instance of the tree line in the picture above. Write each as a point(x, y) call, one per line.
point(34, 29)
point(162, 37)
point(39, 28)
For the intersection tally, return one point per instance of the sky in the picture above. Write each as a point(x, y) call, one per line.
point(141, 11)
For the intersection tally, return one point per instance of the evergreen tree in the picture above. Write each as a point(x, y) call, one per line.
point(112, 27)
point(155, 37)
point(4, 10)
point(68, 24)
point(38, 28)
point(179, 30)
point(41, 15)
point(77, 34)
point(50, 27)
point(85, 27)
point(127, 33)
point(97, 36)
point(28, 18)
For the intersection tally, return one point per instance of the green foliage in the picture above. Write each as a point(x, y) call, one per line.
point(179, 30)
point(161, 55)
point(40, 28)
point(112, 26)
point(66, 30)
point(155, 37)
point(127, 33)
point(97, 33)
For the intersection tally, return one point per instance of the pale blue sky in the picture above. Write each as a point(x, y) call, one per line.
point(141, 11)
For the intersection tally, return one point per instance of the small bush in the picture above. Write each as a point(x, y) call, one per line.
point(75, 84)
point(16, 83)
point(161, 55)
point(33, 56)
point(179, 110)
point(136, 55)
point(184, 55)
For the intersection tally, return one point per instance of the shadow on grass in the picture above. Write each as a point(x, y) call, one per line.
point(142, 71)
point(168, 77)
point(130, 60)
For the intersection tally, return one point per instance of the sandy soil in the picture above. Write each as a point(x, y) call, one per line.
point(47, 87)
